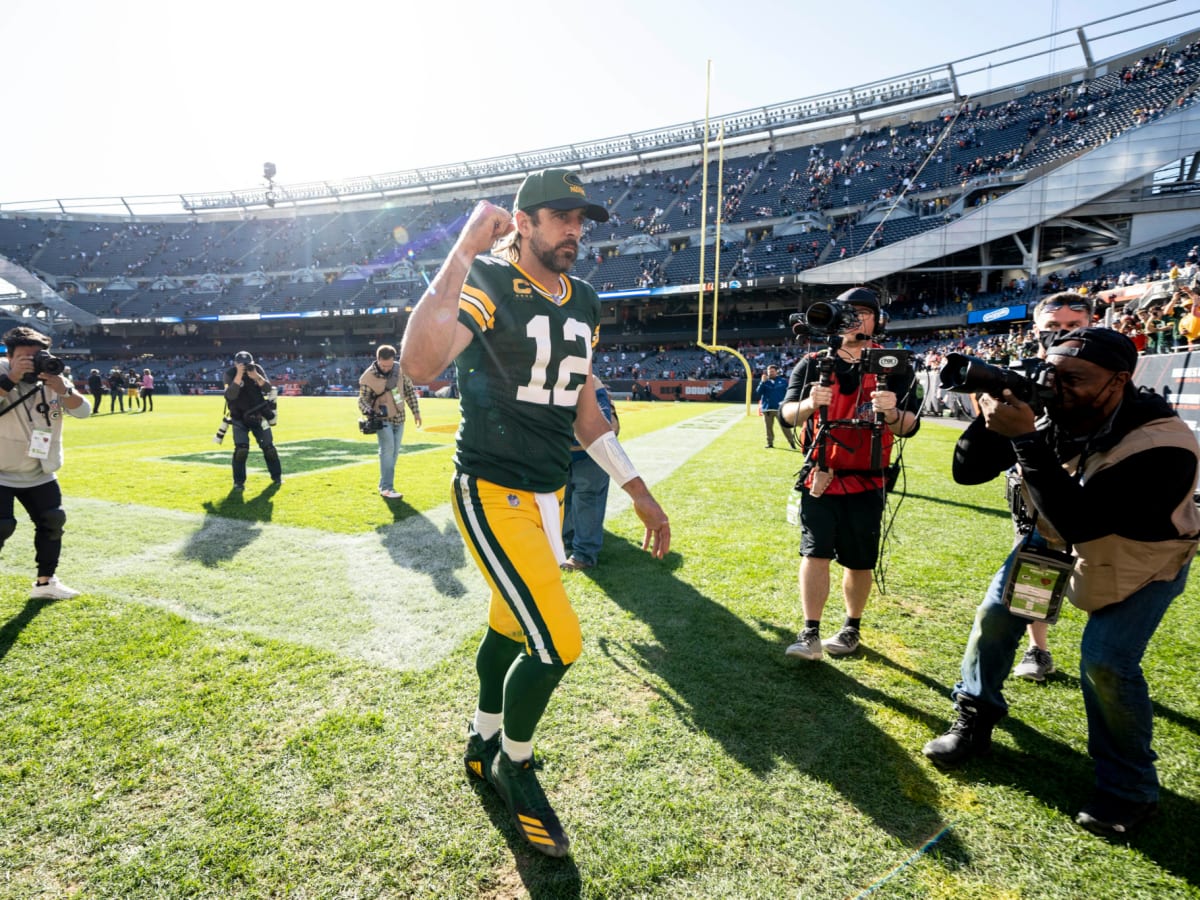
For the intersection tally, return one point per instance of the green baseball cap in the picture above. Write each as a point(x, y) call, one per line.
point(557, 189)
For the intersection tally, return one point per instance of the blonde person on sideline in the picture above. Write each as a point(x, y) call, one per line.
point(383, 391)
point(34, 395)
point(521, 332)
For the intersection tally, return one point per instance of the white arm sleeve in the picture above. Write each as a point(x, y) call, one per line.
point(610, 456)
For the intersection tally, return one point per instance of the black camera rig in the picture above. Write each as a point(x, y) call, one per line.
point(824, 318)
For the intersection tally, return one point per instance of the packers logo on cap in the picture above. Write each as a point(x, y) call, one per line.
point(574, 185)
point(557, 189)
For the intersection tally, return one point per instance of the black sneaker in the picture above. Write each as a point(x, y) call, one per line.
point(480, 753)
point(1035, 665)
point(517, 783)
point(1111, 816)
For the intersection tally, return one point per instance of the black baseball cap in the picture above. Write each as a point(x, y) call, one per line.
point(1106, 348)
point(861, 296)
point(557, 189)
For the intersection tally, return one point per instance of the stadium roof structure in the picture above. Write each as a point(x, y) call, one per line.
point(854, 104)
point(1130, 186)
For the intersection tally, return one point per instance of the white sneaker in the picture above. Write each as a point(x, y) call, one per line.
point(52, 590)
point(390, 494)
point(806, 646)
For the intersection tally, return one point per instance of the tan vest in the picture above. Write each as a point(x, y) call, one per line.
point(1111, 568)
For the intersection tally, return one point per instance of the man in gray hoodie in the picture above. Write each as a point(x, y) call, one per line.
point(34, 394)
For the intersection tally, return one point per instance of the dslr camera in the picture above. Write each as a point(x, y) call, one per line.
point(372, 422)
point(823, 318)
point(44, 361)
point(969, 375)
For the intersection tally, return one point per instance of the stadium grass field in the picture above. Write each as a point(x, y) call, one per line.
point(266, 695)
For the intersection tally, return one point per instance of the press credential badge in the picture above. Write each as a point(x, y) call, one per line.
point(39, 444)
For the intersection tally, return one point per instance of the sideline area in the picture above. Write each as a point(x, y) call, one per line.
point(402, 597)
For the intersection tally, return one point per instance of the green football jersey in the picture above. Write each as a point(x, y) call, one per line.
point(519, 378)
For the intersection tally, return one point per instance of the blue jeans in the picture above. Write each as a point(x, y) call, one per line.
point(389, 437)
point(1115, 694)
point(583, 510)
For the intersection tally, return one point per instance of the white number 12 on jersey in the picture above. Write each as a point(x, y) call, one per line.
point(537, 391)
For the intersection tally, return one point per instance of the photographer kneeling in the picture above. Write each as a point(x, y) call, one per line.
point(31, 449)
point(1110, 477)
point(252, 412)
point(379, 400)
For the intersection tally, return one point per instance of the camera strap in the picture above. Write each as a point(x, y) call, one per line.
point(43, 407)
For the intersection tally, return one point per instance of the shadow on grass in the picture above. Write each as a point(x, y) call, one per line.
point(414, 542)
point(230, 526)
point(543, 877)
point(12, 629)
point(737, 686)
point(984, 510)
point(1063, 778)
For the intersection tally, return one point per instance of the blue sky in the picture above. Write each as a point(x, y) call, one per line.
point(138, 98)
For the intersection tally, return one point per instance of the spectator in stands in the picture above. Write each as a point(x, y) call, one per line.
point(147, 383)
point(1189, 325)
point(770, 392)
point(1159, 331)
point(250, 397)
point(843, 496)
point(116, 389)
point(586, 496)
point(383, 392)
point(1111, 474)
point(31, 452)
point(96, 386)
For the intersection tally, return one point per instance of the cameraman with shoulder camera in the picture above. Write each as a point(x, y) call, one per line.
point(1116, 549)
point(380, 389)
point(841, 509)
point(252, 412)
point(31, 449)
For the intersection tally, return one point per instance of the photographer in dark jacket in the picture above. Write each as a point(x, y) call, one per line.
point(251, 409)
point(116, 390)
point(1110, 475)
point(96, 386)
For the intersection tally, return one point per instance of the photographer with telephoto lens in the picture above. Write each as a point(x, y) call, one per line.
point(34, 394)
point(251, 401)
point(383, 391)
point(1109, 474)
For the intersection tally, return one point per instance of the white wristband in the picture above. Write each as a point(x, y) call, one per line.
point(610, 456)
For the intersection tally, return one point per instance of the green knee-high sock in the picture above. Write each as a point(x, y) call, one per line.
point(492, 662)
point(527, 690)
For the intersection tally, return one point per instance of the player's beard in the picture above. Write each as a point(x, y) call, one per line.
point(557, 259)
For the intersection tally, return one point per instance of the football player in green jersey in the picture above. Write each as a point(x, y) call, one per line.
point(521, 332)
